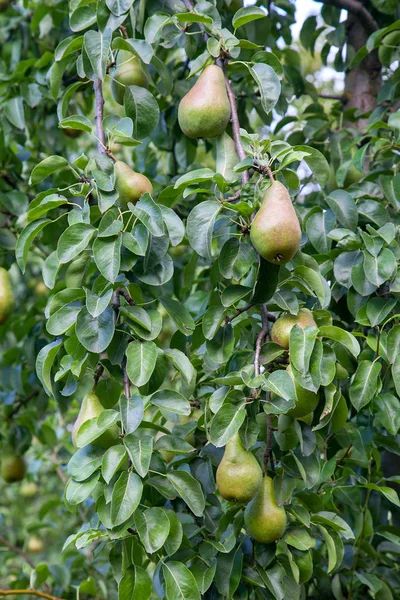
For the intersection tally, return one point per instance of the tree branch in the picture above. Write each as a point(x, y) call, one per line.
point(126, 295)
point(268, 456)
point(356, 8)
point(28, 593)
point(17, 551)
point(21, 403)
point(236, 127)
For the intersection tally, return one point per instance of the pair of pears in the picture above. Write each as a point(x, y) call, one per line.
point(240, 479)
point(205, 110)
point(306, 401)
point(275, 231)
point(91, 408)
point(6, 296)
point(129, 71)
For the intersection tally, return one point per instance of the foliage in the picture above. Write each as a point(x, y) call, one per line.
point(163, 307)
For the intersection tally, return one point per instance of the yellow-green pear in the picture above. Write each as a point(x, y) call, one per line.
point(129, 71)
point(91, 407)
point(34, 545)
point(205, 110)
point(280, 332)
point(275, 232)
point(29, 489)
point(264, 519)
point(6, 296)
point(306, 401)
point(129, 184)
point(13, 468)
point(238, 475)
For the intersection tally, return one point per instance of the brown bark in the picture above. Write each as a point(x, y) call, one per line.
point(362, 83)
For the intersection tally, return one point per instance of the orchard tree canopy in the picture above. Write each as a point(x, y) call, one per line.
point(199, 299)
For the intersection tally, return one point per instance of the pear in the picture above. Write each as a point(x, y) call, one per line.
point(264, 519)
point(280, 331)
point(129, 71)
point(306, 400)
point(205, 110)
point(238, 475)
point(91, 407)
point(34, 545)
point(6, 296)
point(275, 232)
point(129, 184)
point(28, 489)
point(13, 468)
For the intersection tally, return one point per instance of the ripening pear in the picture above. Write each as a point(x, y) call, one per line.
point(129, 71)
point(91, 407)
point(205, 110)
point(6, 296)
point(264, 519)
point(34, 545)
point(129, 184)
point(28, 489)
point(13, 468)
point(306, 400)
point(281, 329)
point(238, 475)
point(275, 232)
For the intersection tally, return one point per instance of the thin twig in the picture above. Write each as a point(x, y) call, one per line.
point(28, 593)
point(21, 403)
point(99, 372)
point(343, 98)
point(236, 127)
point(268, 456)
point(238, 312)
point(126, 295)
point(17, 551)
point(98, 117)
point(358, 9)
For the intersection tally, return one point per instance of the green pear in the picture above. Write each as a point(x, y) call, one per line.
point(129, 184)
point(306, 401)
point(205, 110)
point(129, 71)
point(91, 407)
point(275, 232)
point(280, 332)
point(238, 475)
point(34, 545)
point(6, 296)
point(264, 519)
point(13, 468)
point(28, 489)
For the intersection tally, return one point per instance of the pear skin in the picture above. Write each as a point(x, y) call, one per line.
point(13, 468)
point(91, 408)
point(238, 475)
point(264, 519)
point(280, 332)
point(129, 184)
point(205, 110)
point(129, 71)
point(306, 401)
point(275, 232)
point(6, 296)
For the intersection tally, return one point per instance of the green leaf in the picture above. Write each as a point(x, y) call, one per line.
point(47, 167)
point(318, 226)
point(189, 489)
point(172, 401)
point(317, 163)
point(364, 385)
point(268, 83)
point(95, 333)
point(342, 336)
point(181, 362)
point(77, 492)
point(344, 207)
point(135, 583)
point(85, 462)
point(141, 361)
point(107, 256)
point(132, 410)
point(44, 362)
point(179, 315)
point(113, 460)
point(390, 494)
point(125, 498)
point(299, 538)
point(246, 15)
point(379, 269)
point(14, 112)
point(140, 450)
point(153, 528)
point(141, 106)
point(200, 225)
point(281, 384)
point(180, 584)
point(62, 319)
point(73, 241)
point(25, 241)
point(149, 213)
point(226, 423)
